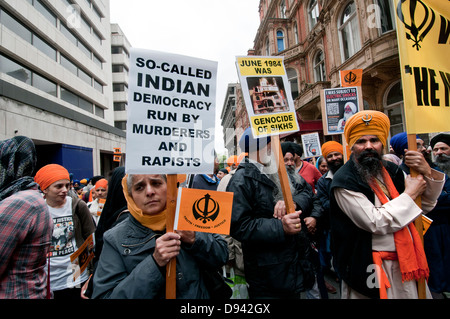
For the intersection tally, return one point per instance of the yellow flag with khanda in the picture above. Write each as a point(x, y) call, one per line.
point(203, 210)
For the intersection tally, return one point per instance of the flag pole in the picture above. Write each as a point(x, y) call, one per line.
point(171, 205)
point(418, 223)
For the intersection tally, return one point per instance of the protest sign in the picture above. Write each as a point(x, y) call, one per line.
point(267, 95)
point(203, 211)
point(311, 145)
point(423, 30)
point(82, 256)
point(171, 114)
point(338, 105)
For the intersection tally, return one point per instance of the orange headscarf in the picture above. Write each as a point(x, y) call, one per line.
point(156, 222)
point(367, 123)
point(331, 146)
point(101, 183)
point(49, 174)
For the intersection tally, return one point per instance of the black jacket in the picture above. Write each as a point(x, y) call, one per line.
point(272, 260)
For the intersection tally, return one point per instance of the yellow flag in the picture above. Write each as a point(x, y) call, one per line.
point(423, 33)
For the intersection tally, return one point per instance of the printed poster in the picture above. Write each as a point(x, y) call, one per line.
point(267, 95)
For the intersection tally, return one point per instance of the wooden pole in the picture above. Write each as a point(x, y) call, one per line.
point(282, 173)
point(171, 268)
point(418, 223)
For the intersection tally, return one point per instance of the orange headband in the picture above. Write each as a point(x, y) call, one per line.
point(49, 174)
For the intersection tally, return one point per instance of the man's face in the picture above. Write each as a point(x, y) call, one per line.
point(442, 152)
point(366, 148)
point(149, 193)
point(289, 161)
point(334, 161)
point(101, 192)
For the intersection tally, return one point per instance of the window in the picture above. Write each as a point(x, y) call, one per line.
point(282, 9)
point(119, 87)
point(319, 67)
point(44, 47)
point(348, 32)
point(292, 77)
point(99, 111)
point(296, 33)
point(280, 40)
point(313, 13)
point(76, 100)
point(27, 76)
point(65, 62)
point(120, 106)
point(394, 108)
point(385, 15)
point(121, 125)
point(45, 11)
point(15, 26)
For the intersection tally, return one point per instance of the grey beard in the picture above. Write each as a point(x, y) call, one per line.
point(277, 192)
point(443, 162)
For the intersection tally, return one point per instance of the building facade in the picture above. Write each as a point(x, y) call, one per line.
point(318, 38)
point(55, 82)
point(120, 59)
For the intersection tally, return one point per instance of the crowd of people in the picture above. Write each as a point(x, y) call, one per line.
point(352, 218)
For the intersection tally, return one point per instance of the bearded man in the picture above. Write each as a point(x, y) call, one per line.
point(377, 250)
point(273, 248)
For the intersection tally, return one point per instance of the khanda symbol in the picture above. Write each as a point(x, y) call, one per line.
point(205, 209)
point(417, 31)
point(350, 77)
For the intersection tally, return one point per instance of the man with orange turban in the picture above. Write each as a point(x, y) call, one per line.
point(377, 250)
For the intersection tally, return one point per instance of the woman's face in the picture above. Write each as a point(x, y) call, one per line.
point(149, 193)
point(56, 193)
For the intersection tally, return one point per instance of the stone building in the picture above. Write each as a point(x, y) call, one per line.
point(318, 38)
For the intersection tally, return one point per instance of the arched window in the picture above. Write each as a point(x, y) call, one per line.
point(313, 13)
point(349, 32)
point(280, 40)
point(319, 67)
point(394, 108)
point(292, 77)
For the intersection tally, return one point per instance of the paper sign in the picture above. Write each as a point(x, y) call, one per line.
point(203, 211)
point(311, 145)
point(267, 95)
point(171, 114)
point(338, 105)
point(81, 258)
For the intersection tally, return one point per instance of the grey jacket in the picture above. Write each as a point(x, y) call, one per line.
point(127, 270)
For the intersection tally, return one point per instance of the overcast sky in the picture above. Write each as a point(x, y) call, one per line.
point(215, 30)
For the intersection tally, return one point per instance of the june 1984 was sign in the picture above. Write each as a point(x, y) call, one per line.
point(171, 114)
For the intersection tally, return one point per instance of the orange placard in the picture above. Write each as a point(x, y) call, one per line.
point(351, 77)
point(203, 211)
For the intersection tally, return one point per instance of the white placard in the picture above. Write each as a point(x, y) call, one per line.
point(171, 114)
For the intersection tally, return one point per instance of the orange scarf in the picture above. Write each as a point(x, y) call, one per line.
point(410, 252)
point(156, 222)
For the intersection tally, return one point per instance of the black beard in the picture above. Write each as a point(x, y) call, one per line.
point(333, 166)
point(443, 162)
point(367, 166)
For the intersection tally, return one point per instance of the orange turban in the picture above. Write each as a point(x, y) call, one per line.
point(232, 160)
point(367, 123)
point(241, 157)
point(49, 174)
point(101, 183)
point(332, 146)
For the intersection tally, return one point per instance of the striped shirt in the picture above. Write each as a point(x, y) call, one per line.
point(25, 235)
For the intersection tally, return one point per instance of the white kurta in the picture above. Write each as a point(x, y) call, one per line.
point(383, 221)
